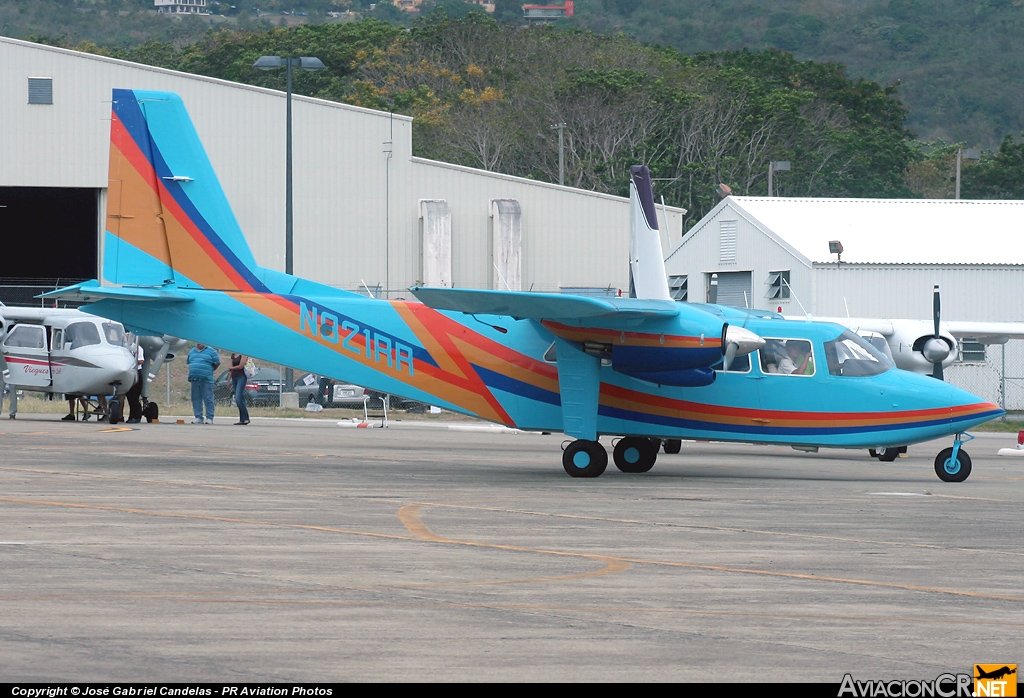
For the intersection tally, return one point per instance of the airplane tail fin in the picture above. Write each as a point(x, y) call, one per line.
point(647, 278)
point(168, 220)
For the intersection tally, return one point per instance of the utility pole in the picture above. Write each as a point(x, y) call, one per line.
point(561, 152)
point(964, 154)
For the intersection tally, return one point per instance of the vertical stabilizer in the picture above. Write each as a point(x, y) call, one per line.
point(168, 220)
point(647, 277)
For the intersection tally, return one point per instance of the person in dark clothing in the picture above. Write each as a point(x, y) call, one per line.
point(238, 380)
point(135, 393)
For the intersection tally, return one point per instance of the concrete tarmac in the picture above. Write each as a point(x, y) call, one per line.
point(298, 551)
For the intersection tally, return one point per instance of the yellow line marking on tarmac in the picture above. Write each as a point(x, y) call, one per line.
point(418, 528)
point(726, 529)
point(613, 563)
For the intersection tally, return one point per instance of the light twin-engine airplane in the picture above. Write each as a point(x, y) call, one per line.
point(644, 369)
point(70, 352)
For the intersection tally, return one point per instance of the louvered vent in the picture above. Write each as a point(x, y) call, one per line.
point(727, 242)
point(40, 90)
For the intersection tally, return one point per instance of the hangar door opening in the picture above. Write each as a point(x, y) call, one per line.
point(49, 240)
point(733, 288)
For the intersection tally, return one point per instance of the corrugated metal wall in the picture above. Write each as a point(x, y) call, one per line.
point(357, 186)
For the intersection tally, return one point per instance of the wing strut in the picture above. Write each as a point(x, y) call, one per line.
point(579, 385)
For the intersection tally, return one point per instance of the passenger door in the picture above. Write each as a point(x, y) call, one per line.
point(27, 356)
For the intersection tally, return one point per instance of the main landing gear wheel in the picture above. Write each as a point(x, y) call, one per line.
point(672, 445)
point(886, 455)
point(634, 454)
point(584, 458)
point(950, 470)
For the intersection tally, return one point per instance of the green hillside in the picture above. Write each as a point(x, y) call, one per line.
point(960, 63)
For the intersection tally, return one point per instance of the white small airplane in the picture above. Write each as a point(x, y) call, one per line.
point(70, 352)
point(922, 346)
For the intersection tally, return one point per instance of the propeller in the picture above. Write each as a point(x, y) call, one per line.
point(738, 342)
point(935, 348)
point(713, 290)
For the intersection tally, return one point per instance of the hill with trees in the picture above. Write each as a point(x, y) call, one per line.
point(486, 93)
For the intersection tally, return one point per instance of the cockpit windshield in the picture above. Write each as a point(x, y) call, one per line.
point(851, 355)
point(81, 334)
point(113, 332)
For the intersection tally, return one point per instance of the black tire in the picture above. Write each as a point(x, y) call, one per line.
point(584, 458)
point(888, 455)
point(114, 411)
point(672, 445)
point(151, 412)
point(952, 471)
point(635, 454)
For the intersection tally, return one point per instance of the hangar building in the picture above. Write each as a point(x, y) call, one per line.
point(366, 211)
point(894, 252)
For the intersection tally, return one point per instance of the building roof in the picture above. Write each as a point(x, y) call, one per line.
point(893, 231)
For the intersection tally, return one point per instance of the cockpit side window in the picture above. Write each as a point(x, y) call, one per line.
point(81, 334)
point(850, 355)
point(113, 332)
point(792, 357)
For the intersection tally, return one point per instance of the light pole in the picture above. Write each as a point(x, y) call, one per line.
point(561, 152)
point(964, 154)
point(773, 167)
point(270, 63)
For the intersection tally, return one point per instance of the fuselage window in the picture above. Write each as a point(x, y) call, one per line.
point(81, 334)
point(792, 357)
point(851, 355)
point(27, 338)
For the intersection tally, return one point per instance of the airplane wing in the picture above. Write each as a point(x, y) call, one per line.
point(92, 291)
point(542, 306)
point(987, 332)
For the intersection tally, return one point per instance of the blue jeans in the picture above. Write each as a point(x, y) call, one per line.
point(238, 388)
point(202, 394)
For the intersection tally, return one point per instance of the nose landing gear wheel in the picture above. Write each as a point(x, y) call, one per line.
point(950, 470)
point(635, 454)
point(584, 458)
point(114, 411)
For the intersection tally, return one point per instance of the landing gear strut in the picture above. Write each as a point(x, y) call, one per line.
point(635, 454)
point(583, 458)
point(953, 464)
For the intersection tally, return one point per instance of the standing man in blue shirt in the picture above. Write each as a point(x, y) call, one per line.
point(202, 362)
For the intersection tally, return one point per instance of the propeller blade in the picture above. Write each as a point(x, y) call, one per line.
point(713, 290)
point(730, 354)
point(937, 366)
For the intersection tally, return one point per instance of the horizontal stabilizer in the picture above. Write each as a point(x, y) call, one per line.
point(541, 306)
point(92, 291)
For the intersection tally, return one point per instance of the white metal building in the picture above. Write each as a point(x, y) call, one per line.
point(366, 210)
point(894, 252)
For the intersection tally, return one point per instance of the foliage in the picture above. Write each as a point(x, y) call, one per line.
point(1000, 176)
point(486, 94)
